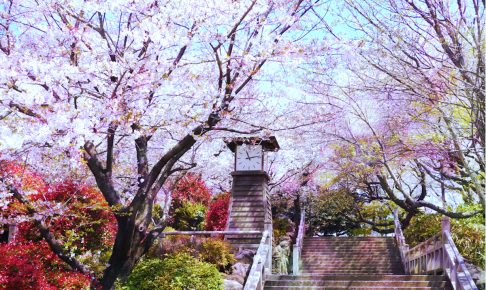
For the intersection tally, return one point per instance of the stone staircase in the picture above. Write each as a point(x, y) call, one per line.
point(353, 263)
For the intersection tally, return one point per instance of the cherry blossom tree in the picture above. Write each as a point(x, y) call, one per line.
point(410, 92)
point(136, 85)
point(431, 55)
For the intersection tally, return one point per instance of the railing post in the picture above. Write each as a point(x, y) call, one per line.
point(297, 248)
point(268, 262)
point(295, 260)
point(446, 227)
point(446, 224)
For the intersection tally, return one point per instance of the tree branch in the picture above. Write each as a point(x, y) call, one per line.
point(109, 151)
point(55, 245)
point(104, 182)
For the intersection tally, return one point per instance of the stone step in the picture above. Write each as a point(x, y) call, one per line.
point(320, 260)
point(360, 277)
point(353, 263)
point(239, 219)
point(357, 252)
point(247, 220)
point(363, 258)
point(347, 256)
point(248, 227)
point(235, 208)
point(349, 264)
point(256, 214)
point(331, 260)
point(278, 287)
point(363, 250)
point(349, 240)
point(349, 272)
point(352, 244)
point(341, 246)
point(341, 283)
point(349, 267)
point(350, 258)
point(332, 238)
point(349, 244)
point(247, 209)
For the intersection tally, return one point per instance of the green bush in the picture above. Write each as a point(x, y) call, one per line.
point(468, 235)
point(216, 252)
point(189, 217)
point(177, 272)
point(210, 250)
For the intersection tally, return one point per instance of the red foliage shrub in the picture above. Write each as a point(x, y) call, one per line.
point(84, 213)
point(78, 216)
point(27, 182)
point(191, 188)
point(34, 266)
point(217, 214)
point(22, 177)
point(87, 214)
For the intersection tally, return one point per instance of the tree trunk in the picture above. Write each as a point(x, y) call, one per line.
point(131, 243)
point(296, 219)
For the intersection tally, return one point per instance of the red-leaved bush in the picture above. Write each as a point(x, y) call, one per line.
point(76, 214)
point(191, 188)
point(86, 213)
point(30, 184)
point(217, 214)
point(32, 265)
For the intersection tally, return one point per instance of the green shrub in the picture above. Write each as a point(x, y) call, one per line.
point(216, 252)
point(176, 272)
point(468, 236)
point(210, 250)
point(189, 217)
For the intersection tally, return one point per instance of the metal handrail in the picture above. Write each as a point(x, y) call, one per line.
point(437, 253)
point(297, 248)
point(256, 277)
